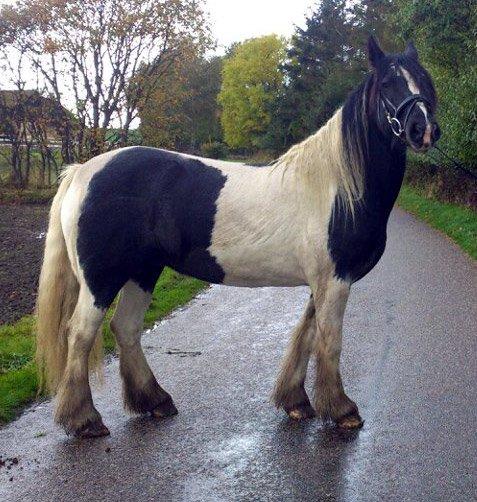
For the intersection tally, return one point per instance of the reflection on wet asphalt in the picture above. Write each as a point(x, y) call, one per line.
point(409, 361)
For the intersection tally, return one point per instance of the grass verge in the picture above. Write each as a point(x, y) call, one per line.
point(18, 376)
point(458, 222)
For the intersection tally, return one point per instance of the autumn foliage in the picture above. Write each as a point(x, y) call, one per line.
point(100, 59)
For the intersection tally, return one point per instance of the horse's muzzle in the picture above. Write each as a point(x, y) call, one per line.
point(422, 135)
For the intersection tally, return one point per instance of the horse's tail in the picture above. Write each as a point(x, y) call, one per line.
point(57, 296)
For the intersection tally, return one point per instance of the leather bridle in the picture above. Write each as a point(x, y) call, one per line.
point(393, 113)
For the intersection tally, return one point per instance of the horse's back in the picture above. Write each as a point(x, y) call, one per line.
point(143, 209)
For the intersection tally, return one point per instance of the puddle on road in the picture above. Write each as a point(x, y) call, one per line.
point(233, 455)
point(226, 461)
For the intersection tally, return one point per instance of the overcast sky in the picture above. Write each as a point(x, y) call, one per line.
point(236, 20)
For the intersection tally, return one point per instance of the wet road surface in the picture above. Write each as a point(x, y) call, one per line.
point(409, 361)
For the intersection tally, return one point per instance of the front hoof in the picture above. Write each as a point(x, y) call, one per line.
point(350, 422)
point(301, 412)
point(92, 430)
point(165, 409)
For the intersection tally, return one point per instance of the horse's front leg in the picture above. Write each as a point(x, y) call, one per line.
point(141, 392)
point(331, 402)
point(290, 391)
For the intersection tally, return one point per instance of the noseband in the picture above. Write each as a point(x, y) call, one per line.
point(393, 113)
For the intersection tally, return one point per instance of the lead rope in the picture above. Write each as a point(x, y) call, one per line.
point(457, 164)
point(398, 127)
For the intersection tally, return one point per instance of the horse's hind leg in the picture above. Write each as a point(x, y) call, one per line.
point(75, 410)
point(330, 398)
point(141, 392)
point(290, 391)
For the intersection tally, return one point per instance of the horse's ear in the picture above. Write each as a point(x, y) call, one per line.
point(375, 54)
point(411, 51)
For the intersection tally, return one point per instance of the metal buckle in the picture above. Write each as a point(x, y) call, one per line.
point(394, 123)
point(407, 104)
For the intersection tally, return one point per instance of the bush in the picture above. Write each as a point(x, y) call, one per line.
point(437, 181)
point(214, 150)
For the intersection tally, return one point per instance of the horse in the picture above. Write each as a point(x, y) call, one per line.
point(315, 217)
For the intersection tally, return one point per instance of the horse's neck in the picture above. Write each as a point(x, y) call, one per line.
point(310, 168)
point(383, 173)
point(313, 169)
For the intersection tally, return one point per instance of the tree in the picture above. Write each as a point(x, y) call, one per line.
point(374, 17)
point(102, 56)
point(251, 82)
point(322, 66)
point(201, 107)
point(182, 112)
point(31, 124)
point(325, 61)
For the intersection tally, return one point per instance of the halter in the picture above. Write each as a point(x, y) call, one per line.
point(392, 112)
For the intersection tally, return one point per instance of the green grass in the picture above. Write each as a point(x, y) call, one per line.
point(458, 222)
point(18, 376)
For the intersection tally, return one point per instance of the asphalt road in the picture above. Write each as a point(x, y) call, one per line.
point(409, 361)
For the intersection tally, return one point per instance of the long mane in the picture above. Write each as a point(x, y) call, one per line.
point(336, 154)
point(354, 131)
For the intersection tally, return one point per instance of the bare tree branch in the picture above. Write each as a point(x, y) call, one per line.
point(102, 58)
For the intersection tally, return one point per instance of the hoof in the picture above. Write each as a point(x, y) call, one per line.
point(165, 409)
point(301, 412)
point(350, 422)
point(92, 430)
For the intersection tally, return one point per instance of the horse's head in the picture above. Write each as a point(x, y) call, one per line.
point(403, 100)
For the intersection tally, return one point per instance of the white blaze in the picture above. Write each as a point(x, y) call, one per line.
point(412, 86)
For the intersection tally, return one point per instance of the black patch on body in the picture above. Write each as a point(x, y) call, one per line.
point(144, 210)
point(356, 244)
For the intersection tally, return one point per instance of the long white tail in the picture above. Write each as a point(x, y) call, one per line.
point(57, 296)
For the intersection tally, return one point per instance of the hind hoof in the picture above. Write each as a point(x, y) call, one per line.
point(301, 412)
point(165, 409)
point(350, 422)
point(92, 430)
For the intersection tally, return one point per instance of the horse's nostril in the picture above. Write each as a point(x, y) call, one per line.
point(417, 131)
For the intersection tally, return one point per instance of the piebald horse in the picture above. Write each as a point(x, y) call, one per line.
point(315, 217)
